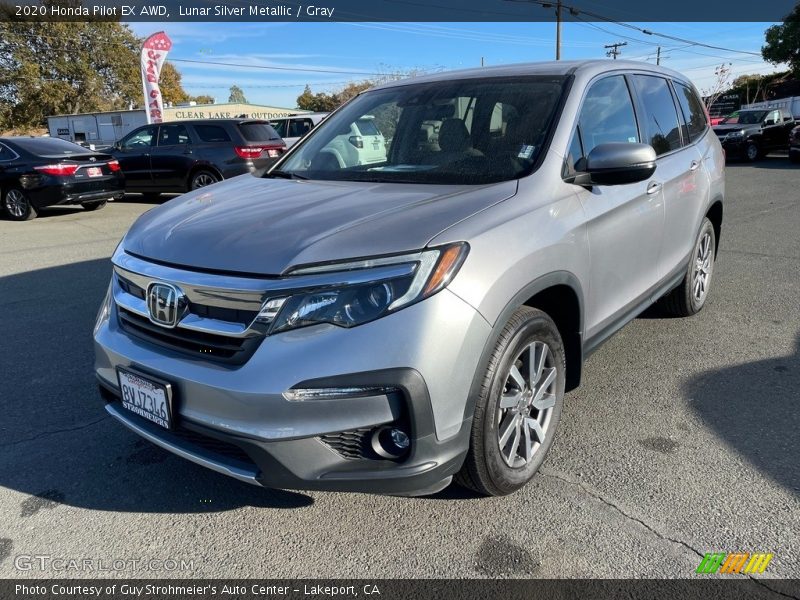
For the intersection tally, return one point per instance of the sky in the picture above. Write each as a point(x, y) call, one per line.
point(350, 49)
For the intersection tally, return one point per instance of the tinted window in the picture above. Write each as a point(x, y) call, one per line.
point(367, 127)
point(693, 111)
point(173, 135)
point(661, 129)
point(607, 114)
point(751, 117)
point(49, 146)
point(258, 132)
point(6, 154)
point(299, 127)
point(279, 127)
point(144, 138)
point(212, 133)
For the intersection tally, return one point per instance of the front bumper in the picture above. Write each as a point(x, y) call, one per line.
point(234, 418)
point(734, 147)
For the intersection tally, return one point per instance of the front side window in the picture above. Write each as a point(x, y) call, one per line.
point(661, 127)
point(144, 138)
point(457, 132)
point(693, 111)
point(299, 127)
point(607, 114)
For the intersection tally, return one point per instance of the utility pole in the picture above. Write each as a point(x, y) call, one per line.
point(614, 49)
point(558, 30)
point(658, 56)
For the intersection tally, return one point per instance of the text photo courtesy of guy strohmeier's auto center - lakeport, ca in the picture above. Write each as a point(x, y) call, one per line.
point(394, 299)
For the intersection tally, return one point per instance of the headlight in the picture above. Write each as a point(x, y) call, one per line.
point(735, 135)
point(105, 309)
point(379, 289)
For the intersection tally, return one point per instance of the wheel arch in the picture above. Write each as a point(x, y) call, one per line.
point(560, 295)
point(714, 214)
point(202, 167)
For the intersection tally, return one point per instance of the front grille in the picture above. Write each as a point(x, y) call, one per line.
point(195, 343)
point(232, 315)
point(353, 444)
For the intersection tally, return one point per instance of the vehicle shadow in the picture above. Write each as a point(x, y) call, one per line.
point(753, 408)
point(57, 444)
point(773, 161)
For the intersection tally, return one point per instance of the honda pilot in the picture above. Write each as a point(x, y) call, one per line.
point(389, 327)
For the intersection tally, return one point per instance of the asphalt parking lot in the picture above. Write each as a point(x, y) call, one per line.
point(682, 440)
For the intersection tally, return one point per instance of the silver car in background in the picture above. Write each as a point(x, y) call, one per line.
point(388, 327)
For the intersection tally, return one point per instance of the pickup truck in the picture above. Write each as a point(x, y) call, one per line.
point(758, 132)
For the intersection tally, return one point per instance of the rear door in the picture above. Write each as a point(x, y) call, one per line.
point(624, 222)
point(172, 158)
point(677, 170)
point(133, 154)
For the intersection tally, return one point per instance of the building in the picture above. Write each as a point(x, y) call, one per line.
point(106, 128)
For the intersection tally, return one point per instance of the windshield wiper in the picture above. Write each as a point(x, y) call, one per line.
point(285, 175)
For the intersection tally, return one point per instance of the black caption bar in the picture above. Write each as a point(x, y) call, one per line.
point(395, 10)
point(251, 589)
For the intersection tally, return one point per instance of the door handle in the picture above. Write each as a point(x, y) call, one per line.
point(694, 165)
point(653, 187)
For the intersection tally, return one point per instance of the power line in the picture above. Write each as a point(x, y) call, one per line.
point(575, 11)
point(614, 49)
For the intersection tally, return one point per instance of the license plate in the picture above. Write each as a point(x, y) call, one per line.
point(145, 397)
point(94, 172)
point(375, 145)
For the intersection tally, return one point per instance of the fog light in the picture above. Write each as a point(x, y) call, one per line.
point(390, 442)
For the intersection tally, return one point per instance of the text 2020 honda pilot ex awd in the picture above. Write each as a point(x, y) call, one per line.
point(389, 327)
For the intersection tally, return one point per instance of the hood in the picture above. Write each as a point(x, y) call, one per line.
point(264, 226)
point(723, 129)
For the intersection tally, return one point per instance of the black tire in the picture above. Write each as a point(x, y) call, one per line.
point(794, 157)
point(17, 206)
point(485, 468)
point(752, 151)
point(202, 178)
point(90, 206)
point(683, 301)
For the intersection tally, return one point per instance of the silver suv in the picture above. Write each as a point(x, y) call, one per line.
point(388, 327)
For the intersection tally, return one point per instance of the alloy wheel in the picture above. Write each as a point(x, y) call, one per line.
point(703, 265)
point(525, 407)
point(202, 180)
point(16, 203)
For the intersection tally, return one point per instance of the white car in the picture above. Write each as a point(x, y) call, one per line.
point(363, 144)
point(294, 127)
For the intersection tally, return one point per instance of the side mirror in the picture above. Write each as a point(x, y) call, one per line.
point(617, 163)
point(769, 122)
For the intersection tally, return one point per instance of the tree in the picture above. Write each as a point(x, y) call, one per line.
point(783, 42)
point(203, 99)
point(170, 84)
point(721, 83)
point(51, 68)
point(237, 95)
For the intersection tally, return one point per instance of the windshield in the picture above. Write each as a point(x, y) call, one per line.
point(751, 117)
point(468, 131)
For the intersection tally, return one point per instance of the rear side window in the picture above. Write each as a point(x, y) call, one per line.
point(212, 133)
point(173, 135)
point(299, 127)
point(607, 114)
point(6, 154)
point(660, 119)
point(258, 132)
point(693, 111)
point(279, 127)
